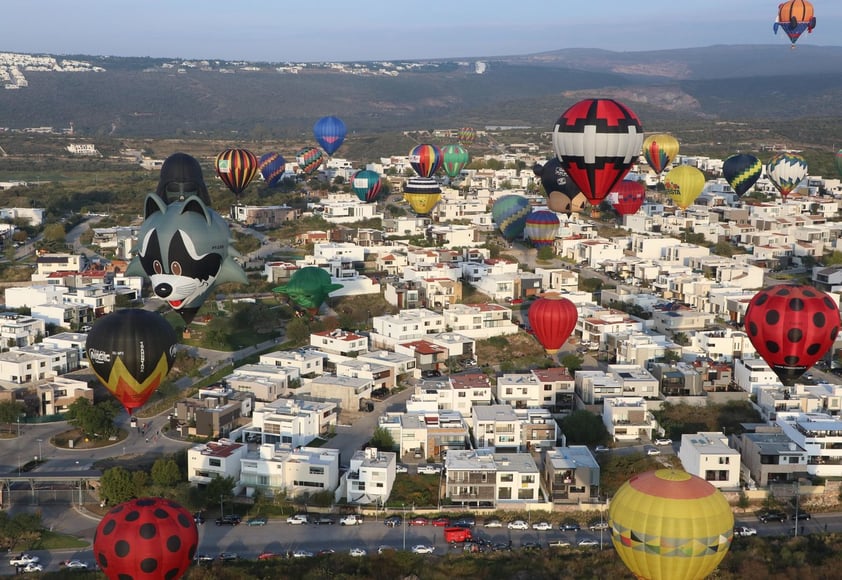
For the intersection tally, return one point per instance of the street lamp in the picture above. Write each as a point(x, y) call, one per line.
point(40, 456)
point(220, 506)
point(404, 527)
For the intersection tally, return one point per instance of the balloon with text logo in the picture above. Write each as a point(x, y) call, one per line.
point(236, 168)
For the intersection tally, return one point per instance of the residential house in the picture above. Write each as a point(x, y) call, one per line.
point(215, 459)
point(402, 365)
point(348, 392)
point(370, 476)
point(339, 342)
point(627, 418)
point(496, 427)
point(570, 474)
point(480, 321)
point(56, 395)
point(290, 472)
point(636, 381)
point(381, 376)
point(594, 387)
point(707, 455)
point(539, 430)
point(308, 362)
point(215, 411)
point(770, 457)
point(428, 355)
point(20, 330)
point(426, 434)
point(820, 435)
point(392, 329)
point(289, 422)
point(265, 382)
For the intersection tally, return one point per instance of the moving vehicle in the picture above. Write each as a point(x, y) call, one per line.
point(542, 526)
point(598, 525)
point(663, 441)
point(465, 522)
point(558, 544)
point(429, 469)
point(651, 450)
point(298, 519)
point(587, 543)
point(302, 554)
point(423, 549)
point(23, 560)
point(744, 531)
point(493, 523)
point(601, 449)
point(75, 564)
point(401, 468)
point(418, 521)
point(268, 556)
point(518, 525)
point(324, 520)
point(33, 567)
point(767, 517)
point(441, 522)
point(227, 557)
point(258, 521)
point(801, 515)
point(457, 535)
point(570, 526)
point(392, 521)
point(229, 520)
point(357, 552)
point(350, 520)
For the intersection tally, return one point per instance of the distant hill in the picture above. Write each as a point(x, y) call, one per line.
point(140, 97)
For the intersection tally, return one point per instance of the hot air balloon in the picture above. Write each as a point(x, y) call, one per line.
point(185, 250)
point(742, 171)
point(541, 228)
point(554, 178)
point(330, 133)
point(309, 159)
point(148, 538)
point(271, 166)
point(659, 150)
point(422, 194)
point(466, 136)
point(236, 168)
point(366, 184)
point(552, 317)
point(670, 525)
point(794, 17)
point(425, 159)
point(509, 212)
point(684, 184)
point(791, 327)
point(786, 171)
point(309, 287)
point(131, 351)
point(597, 142)
point(181, 176)
point(627, 197)
point(454, 159)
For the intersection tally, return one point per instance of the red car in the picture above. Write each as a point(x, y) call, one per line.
point(268, 556)
point(419, 521)
point(441, 522)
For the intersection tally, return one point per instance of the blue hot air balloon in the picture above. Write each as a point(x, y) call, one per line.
point(509, 213)
point(541, 227)
point(330, 133)
point(271, 167)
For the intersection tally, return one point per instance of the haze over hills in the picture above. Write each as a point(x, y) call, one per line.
point(137, 97)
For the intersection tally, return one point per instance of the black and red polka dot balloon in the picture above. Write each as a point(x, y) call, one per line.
point(148, 538)
point(792, 327)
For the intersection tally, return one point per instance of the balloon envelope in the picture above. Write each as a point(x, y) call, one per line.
point(553, 318)
point(309, 159)
point(597, 142)
point(131, 351)
point(454, 159)
point(330, 133)
point(555, 178)
point(792, 327)
point(786, 171)
point(467, 135)
point(509, 212)
point(309, 287)
point(181, 176)
point(422, 194)
point(541, 228)
point(272, 166)
point(670, 525)
point(148, 538)
point(659, 150)
point(794, 18)
point(236, 168)
point(366, 184)
point(425, 159)
point(628, 196)
point(684, 184)
point(742, 172)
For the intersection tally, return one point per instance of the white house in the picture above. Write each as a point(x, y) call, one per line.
point(309, 362)
point(627, 418)
point(290, 422)
point(370, 476)
point(294, 472)
point(214, 459)
point(707, 455)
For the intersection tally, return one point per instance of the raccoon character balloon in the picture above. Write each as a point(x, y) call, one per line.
point(184, 249)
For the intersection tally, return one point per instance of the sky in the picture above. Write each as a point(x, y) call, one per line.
point(347, 30)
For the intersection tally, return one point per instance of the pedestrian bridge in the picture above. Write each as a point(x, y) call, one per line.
point(80, 481)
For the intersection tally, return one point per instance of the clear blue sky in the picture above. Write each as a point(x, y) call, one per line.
point(343, 30)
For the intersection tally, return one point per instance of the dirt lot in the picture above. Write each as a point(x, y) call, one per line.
point(520, 347)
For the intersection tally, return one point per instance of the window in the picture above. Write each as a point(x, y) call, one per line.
point(462, 394)
point(507, 477)
point(215, 462)
point(317, 470)
point(504, 493)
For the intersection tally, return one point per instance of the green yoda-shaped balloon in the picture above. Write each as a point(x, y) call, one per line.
point(309, 287)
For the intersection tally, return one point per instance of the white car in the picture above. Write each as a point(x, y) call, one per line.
point(23, 560)
point(542, 526)
point(663, 441)
point(357, 552)
point(601, 449)
point(652, 450)
point(423, 549)
point(429, 469)
point(302, 554)
point(350, 520)
point(744, 531)
point(587, 543)
point(33, 567)
point(401, 468)
point(75, 564)
point(518, 525)
point(298, 519)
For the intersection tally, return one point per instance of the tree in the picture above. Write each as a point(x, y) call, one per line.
point(165, 472)
point(297, 331)
point(583, 428)
point(116, 486)
point(572, 362)
point(10, 412)
point(95, 421)
point(382, 439)
point(546, 253)
point(218, 489)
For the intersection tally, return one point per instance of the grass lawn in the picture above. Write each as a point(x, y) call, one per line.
point(56, 541)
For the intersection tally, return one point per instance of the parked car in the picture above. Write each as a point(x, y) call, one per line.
point(325, 552)
point(530, 546)
point(558, 543)
point(651, 450)
point(518, 525)
point(570, 526)
point(598, 525)
point(401, 468)
point(744, 531)
point(601, 449)
point(465, 522)
point(801, 515)
point(441, 522)
point(663, 441)
point(257, 521)
point(204, 558)
point(357, 552)
point(423, 549)
point(587, 543)
point(298, 519)
point(229, 520)
point(418, 521)
point(767, 517)
point(23, 560)
point(227, 557)
point(302, 554)
point(429, 469)
point(268, 556)
point(392, 521)
point(542, 526)
point(75, 564)
point(324, 520)
point(350, 520)
point(33, 567)
point(430, 374)
point(493, 523)
point(382, 549)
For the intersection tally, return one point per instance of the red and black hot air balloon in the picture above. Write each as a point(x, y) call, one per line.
point(236, 168)
point(147, 538)
point(628, 196)
point(597, 141)
point(552, 318)
point(792, 327)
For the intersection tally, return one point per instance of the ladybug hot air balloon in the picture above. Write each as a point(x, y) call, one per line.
point(628, 196)
point(670, 525)
point(509, 212)
point(236, 168)
point(684, 184)
point(367, 185)
point(742, 172)
point(597, 141)
point(425, 159)
point(148, 538)
point(271, 166)
point(131, 351)
point(454, 159)
point(330, 133)
point(309, 159)
point(791, 327)
point(786, 171)
point(553, 318)
point(541, 228)
point(659, 150)
point(794, 17)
